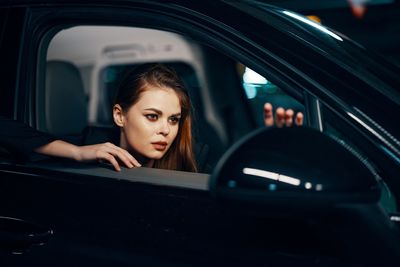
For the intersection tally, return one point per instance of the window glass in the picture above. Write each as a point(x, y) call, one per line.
point(85, 65)
point(102, 54)
point(259, 90)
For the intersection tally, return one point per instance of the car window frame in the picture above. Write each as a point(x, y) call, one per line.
point(185, 30)
point(45, 24)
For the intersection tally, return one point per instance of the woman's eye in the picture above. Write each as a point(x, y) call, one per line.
point(174, 120)
point(152, 117)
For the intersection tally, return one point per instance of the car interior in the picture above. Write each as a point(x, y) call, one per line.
point(84, 65)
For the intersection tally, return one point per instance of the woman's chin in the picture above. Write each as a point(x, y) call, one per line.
point(156, 155)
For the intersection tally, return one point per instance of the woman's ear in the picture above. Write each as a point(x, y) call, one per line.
point(118, 115)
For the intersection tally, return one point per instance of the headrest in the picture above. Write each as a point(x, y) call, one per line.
point(65, 99)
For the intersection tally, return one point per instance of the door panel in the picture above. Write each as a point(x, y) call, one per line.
point(106, 222)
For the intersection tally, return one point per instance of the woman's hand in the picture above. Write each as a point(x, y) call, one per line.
point(106, 152)
point(282, 117)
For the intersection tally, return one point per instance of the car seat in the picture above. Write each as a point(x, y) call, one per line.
point(66, 108)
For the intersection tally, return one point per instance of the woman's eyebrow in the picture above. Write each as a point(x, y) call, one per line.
point(160, 112)
point(155, 110)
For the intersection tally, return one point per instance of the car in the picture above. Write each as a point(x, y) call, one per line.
point(324, 194)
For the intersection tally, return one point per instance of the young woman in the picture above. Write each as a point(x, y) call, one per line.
point(152, 112)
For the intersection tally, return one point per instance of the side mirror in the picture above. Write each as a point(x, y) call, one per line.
point(292, 167)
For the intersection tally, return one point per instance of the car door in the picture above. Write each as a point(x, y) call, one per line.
point(79, 216)
point(94, 216)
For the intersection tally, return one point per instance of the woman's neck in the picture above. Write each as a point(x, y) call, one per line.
point(144, 161)
point(149, 164)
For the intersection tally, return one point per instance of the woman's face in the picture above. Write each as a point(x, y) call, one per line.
point(149, 127)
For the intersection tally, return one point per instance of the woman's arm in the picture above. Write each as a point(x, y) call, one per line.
point(21, 139)
point(106, 152)
point(24, 140)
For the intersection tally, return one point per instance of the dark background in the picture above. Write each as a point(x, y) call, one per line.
point(378, 29)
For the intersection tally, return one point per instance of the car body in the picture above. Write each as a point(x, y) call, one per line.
point(87, 214)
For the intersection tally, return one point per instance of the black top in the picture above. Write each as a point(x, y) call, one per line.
point(20, 141)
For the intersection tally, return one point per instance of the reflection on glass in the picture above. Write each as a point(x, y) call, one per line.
point(250, 76)
point(231, 183)
point(272, 187)
point(394, 218)
point(255, 85)
point(313, 24)
point(272, 175)
point(308, 185)
point(391, 154)
point(251, 90)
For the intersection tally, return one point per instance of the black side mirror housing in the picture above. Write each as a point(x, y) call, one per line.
point(291, 167)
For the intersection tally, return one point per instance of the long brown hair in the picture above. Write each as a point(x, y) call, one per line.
point(180, 155)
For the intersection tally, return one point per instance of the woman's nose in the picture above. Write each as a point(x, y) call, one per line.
point(164, 127)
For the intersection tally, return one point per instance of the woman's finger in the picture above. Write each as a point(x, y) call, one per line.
point(289, 117)
point(268, 115)
point(279, 117)
point(131, 159)
point(102, 155)
point(122, 154)
point(117, 152)
point(299, 119)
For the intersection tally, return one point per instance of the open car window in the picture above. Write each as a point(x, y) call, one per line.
point(85, 64)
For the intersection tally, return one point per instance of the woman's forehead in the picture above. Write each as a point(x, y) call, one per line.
point(164, 99)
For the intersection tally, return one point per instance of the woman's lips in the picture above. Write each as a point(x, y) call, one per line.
point(160, 146)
